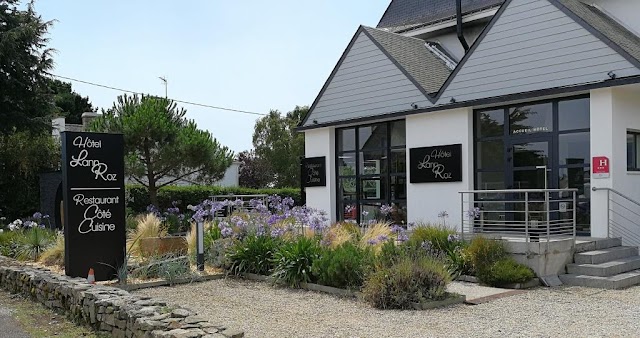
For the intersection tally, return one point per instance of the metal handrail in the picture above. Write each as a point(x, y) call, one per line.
point(619, 194)
point(616, 228)
point(559, 222)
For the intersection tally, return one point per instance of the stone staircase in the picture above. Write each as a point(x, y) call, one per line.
point(603, 263)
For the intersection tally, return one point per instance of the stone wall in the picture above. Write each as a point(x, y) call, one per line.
point(108, 309)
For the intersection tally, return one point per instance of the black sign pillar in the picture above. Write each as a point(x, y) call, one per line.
point(94, 204)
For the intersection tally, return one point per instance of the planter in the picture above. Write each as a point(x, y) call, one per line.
point(467, 278)
point(452, 299)
point(527, 285)
point(131, 287)
point(157, 246)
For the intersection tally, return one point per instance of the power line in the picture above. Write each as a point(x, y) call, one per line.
point(180, 101)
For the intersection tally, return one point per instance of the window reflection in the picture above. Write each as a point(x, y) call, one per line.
point(531, 119)
point(530, 154)
point(490, 123)
point(574, 114)
point(574, 148)
point(373, 137)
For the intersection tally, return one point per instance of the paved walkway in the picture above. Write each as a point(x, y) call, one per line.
point(9, 327)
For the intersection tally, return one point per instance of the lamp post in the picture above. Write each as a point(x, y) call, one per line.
point(164, 80)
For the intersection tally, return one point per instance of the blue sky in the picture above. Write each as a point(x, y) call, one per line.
point(249, 55)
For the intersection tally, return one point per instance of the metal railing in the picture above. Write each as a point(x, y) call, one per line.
point(623, 217)
point(530, 214)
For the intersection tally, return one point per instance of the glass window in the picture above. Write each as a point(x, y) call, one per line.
point(347, 189)
point(490, 123)
point(398, 134)
point(530, 154)
point(373, 162)
point(491, 180)
point(576, 178)
point(398, 188)
point(573, 114)
point(398, 161)
point(574, 149)
point(490, 155)
point(347, 140)
point(373, 172)
point(347, 164)
point(373, 189)
point(529, 179)
point(531, 119)
point(633, 151)
point(373, 137)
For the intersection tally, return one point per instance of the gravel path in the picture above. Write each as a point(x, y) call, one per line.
point(265, 311)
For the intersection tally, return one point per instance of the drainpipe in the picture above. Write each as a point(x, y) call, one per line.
point(463, 41)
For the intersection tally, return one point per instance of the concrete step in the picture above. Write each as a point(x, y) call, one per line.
point(605, 269)
point(590, 244)
point(618, 281)
point(605, 255)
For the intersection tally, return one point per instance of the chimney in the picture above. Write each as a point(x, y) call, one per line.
point(463, 41)
point(87, 118)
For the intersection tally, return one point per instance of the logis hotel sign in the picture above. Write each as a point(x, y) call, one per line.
point(94, 203)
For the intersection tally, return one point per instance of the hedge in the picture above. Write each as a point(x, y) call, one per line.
point(139, 199)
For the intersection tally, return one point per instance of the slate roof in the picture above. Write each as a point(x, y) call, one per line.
point(427, 69)
point(607, 26)
point(402, 14)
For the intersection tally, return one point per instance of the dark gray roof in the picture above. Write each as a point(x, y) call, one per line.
point(411, 12)
point(607, 26)
point(427, 69)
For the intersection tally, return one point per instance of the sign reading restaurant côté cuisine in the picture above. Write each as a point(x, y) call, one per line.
point(94, 205)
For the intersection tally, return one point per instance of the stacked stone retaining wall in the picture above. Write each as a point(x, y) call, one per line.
point(108, 309)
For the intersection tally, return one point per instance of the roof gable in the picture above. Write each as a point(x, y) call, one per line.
point(402, 13)
point(368, 81)
point(533, 45)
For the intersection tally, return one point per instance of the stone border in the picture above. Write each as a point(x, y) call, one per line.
point(146, 285)
point(517, 286)
point(107, 309)
point(482, 300)
point(452, 299)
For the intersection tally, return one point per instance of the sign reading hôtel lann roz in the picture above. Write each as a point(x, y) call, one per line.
point(94, 203)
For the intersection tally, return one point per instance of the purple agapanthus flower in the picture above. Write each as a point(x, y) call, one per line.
point(372, 242)
point(452, 238)
point(37, 215)
point(386, 209)
point(383, 238)
point(473, 213)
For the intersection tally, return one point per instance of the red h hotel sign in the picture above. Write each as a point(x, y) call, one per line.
point(600, 167)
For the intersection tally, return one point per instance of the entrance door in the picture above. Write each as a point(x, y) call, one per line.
point(529, 159)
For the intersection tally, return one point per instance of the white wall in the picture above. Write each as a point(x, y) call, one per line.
point(321, 142)
point(613, 112)
point(426, 200)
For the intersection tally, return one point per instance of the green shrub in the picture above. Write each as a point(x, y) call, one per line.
point(460, 260)
point(438, 236)
point(410, 281)
point(193, 195)
point(254, 254)
point(343, 267)
point(484, 252)
point(293, 260)
point(506, 271)
point(34, 242)
point(217, 253)
point(54, 255)
point(9, 243)
point(391, 254)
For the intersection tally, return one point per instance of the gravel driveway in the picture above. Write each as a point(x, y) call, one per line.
point(265, 311)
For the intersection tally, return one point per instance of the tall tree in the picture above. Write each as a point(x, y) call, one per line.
point(68, 103)
point(26, 103)
point(161, 145)
point(255, 172)
point(276, 140)
point(25, 99)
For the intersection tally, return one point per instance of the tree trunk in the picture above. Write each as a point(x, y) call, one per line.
point(153, 193)
point(151, 178)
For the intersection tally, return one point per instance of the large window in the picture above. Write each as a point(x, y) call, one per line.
point(515, 143)
point(372, 171)
point(633, 151)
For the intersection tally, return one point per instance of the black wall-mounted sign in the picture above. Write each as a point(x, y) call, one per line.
point(314, 172)
point(436, 164)
point(94, 203)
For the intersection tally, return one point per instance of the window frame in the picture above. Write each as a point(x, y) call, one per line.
point(384, 177)
point(635, 160)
